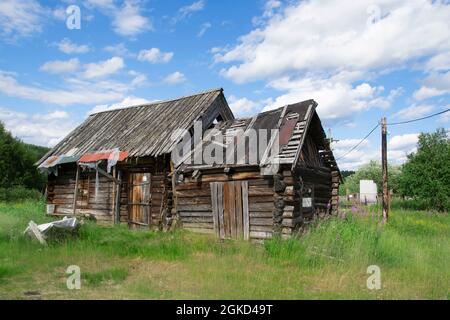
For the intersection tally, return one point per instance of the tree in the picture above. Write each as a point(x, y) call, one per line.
point(17, 162)
point(371, 171)
point(426, 174)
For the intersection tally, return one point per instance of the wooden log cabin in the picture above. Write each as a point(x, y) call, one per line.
point(116, 166)
point(282, 189)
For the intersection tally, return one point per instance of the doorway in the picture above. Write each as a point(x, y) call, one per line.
point(230, 209)
point(139, 200)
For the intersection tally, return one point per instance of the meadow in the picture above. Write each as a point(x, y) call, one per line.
point(328, 261)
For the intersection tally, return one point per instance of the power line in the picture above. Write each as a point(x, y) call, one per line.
point(418, 119)
point(358, 144)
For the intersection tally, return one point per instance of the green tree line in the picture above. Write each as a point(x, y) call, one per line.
point(17, 165)
point(424, 179)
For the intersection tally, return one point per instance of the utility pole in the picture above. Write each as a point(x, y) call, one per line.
point(385, 171)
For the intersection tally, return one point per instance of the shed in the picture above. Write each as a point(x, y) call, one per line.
point(259, 176)
point(116, 166)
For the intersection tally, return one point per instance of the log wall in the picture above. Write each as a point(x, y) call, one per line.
point(194, 205)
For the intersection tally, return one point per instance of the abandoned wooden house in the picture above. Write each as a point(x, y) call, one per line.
point(116, 166)
point(272, 193)
point(124, 166)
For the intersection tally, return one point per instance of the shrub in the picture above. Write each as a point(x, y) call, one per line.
point(19, 194)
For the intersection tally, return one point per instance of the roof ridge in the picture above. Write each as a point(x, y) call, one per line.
point(159, 101)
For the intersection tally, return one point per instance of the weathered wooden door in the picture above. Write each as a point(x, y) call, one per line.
point(139, 199)
point(230, 209)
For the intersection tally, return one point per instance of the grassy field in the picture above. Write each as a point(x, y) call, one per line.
point(328, 262)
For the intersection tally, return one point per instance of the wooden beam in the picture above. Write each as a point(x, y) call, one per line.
point(118, 195)
point(77, 177)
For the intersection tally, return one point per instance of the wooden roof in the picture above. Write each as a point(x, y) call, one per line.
point(292, 121)
point(143, 130)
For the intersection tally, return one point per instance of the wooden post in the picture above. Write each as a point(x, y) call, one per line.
point(118, 195)
point(385, 171)
point(75, 194)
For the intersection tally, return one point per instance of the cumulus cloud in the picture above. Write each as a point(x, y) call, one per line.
point(400, 146)
point(69, 47)
point(436, 84)
point(174, 78)
point(414, 111)
point(125, 103)
point(76, 91)
point(299, 55)
point(45, 129)
point(20, 18)
point(128, 20)
point(103, 68)
point(154, 55)
point(401, 33)
point(58, 66)
point(242, 106)
point(337, 98)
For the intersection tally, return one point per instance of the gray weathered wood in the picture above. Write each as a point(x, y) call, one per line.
point(245, 214)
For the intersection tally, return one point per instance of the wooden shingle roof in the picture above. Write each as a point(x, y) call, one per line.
point(144, 130)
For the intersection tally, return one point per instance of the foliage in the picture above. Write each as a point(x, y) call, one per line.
point(19, 193)
point(17, 163)
point(371, 171)
point(426, 174)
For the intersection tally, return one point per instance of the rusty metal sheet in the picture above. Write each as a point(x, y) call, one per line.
point(102, 155)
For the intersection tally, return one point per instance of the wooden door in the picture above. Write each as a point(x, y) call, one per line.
point(139, 199)
point(230, 209)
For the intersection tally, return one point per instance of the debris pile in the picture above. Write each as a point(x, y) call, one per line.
point(52, 230)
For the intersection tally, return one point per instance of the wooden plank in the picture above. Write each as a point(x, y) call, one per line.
point(238, 206)
point(76, 190)
point(215, 209)
point(232, 208)
point(220, 209)
point(226, 210)
point(245, 215)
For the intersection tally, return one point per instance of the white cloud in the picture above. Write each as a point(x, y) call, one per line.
point(128, 20)
point(174, 78)
point(155, 55)
point(400, 146)
point(406, 30)
point(242, 106)
point(338, 99)
point(78, 92)
point(20, 18)
point(187, 11)
point(69, 47)
point(119, 50)
point(436, 84)
point(40, 129)
point(439, 62)
point(203, 29)
point(103, 68)
point(125, 103)
point(58, 66)
point(414, 111)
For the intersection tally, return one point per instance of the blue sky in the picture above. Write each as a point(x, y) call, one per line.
point(359, 61)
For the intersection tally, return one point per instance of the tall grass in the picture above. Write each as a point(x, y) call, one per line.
point(329, 260)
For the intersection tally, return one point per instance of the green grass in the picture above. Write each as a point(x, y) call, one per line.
point(329, 261)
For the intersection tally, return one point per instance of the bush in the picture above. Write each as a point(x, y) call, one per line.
point(426, 175)
point(19, 194)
